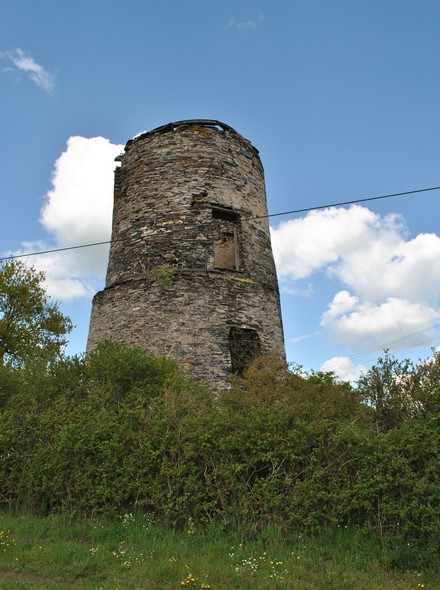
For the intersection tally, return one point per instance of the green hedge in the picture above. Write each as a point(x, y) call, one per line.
point(126, 431)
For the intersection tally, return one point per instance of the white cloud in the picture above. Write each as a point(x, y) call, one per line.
point(302, 337)
point(246, 24)
point(343, 368)
point(24, 62)
point(65, 278)
point(393, 266)
point(78, 211)
point(350, 318)
point(391, 281)
point(293, 288)
point(323, 238)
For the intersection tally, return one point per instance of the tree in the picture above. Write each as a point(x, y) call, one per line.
point(427, 387)
point(398, 390)
point(383, 388)
point(30, 323)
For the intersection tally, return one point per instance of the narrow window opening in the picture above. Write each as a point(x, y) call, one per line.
point(244, 347)
point(225, 239)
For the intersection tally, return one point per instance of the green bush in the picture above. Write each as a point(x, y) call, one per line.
point(123, 431)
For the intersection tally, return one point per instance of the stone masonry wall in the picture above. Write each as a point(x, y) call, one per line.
point(191, 256)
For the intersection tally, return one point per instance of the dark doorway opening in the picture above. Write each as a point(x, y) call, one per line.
point(244, 346)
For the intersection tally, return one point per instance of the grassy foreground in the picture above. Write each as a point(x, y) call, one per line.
point(136, 553)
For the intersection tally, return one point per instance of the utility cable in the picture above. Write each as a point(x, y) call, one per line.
point(332, 365)
point(392, 343)
point(306, 209)
point(294, 211)
point(54, 250)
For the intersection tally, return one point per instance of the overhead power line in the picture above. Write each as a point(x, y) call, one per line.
point(292, 212)
point(55, 250)
point(396, 342)
point(396, 345)
point(354, 201)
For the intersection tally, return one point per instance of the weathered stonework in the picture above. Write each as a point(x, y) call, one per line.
point(191, 272)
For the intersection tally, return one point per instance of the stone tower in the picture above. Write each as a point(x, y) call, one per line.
point(191, 272)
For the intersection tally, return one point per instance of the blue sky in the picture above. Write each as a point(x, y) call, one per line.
point(341, 97)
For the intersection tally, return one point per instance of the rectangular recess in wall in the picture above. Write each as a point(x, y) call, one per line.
point(225, 215)
point(225, 239)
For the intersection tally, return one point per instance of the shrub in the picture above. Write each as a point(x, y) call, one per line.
point(124, 430)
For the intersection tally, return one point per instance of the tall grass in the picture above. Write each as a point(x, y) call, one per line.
point(135, 552)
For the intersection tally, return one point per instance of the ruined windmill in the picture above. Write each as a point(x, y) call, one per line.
point(191, 272)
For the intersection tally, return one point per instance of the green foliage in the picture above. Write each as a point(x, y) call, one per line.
point(30, 324)
point(122, 431)
point(162, 274)
point(398, 391)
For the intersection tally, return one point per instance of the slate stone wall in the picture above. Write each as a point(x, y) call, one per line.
point(191, 256)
